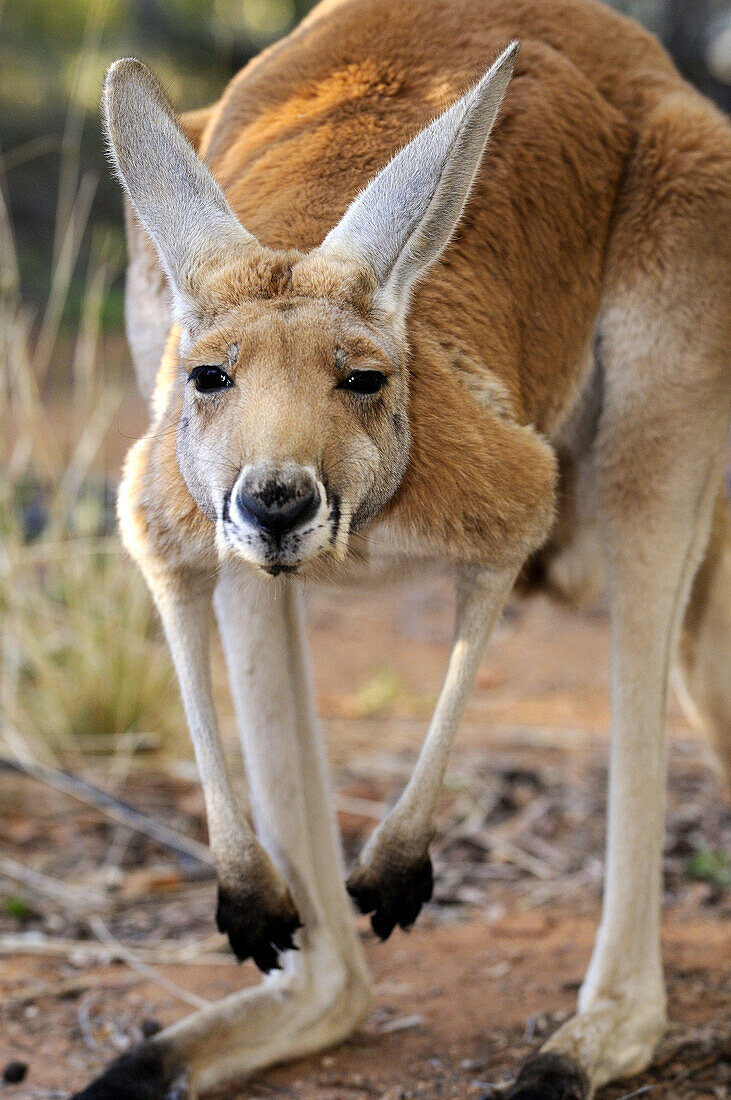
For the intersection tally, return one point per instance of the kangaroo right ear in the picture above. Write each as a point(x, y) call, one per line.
point(403, 220)
point(176, 198)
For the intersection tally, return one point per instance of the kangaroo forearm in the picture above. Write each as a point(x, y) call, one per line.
point(392, 878)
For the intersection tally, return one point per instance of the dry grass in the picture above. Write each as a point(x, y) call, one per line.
point(80, 649)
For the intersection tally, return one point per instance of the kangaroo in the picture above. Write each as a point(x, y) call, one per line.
point(367, 344)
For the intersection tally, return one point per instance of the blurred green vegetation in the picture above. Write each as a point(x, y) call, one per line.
point(710, 865)
point(53, 54)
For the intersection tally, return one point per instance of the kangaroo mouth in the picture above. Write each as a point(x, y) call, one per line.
point(278, 570)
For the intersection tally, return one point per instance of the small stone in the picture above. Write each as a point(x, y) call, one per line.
point(14, 1073)
point(499, 970)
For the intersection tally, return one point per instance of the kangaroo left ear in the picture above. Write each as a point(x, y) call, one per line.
point(402, 221)
point(177, 200)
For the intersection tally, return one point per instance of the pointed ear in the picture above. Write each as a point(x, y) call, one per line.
point(176, 198)
point(405, 217)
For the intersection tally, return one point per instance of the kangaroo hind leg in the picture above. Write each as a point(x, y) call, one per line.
point(322, 991)
point(658, 458)
point(705, 641)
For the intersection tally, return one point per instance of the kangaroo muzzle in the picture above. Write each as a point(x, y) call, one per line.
point(278, 517)
point(277, 502)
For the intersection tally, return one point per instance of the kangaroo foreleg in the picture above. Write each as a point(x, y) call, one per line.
point(255, 907)
point(393, 878)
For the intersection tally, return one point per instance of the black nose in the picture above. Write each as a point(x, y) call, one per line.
point(277, 507)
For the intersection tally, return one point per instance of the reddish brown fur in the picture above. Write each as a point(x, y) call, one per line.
point(601, 151)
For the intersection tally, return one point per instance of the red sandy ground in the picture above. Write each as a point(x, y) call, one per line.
point(470, 991)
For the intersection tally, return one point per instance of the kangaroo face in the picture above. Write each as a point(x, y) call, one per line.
point(294, 430)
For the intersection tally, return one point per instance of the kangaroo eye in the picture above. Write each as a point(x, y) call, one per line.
point(209, 379)
point(363, 381)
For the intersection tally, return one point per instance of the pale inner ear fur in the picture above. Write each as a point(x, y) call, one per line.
point(176, 198)
point(405, 217)
point(148, 302)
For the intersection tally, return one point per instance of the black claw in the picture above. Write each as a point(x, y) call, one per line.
point(148, 1072)
point(408, 919)
point(267, 959)
point(383, 924)
point(550, 1077)
point(365, 898)
point(394, 895)
point(254, 931)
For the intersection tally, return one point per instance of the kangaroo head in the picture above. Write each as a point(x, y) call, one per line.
point(294, 422)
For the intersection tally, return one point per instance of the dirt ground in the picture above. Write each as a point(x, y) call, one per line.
point(493, 964)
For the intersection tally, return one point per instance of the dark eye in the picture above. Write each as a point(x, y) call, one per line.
point(209, 379)
point(363, 381)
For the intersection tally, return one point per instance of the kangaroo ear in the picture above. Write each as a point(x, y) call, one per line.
point(176, 198)
point(401, 222)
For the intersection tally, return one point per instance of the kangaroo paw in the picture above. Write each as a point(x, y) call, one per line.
point(392, 891)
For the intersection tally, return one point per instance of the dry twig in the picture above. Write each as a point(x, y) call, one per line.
point(80, 789)
point(132, 959)
point(80, 902)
